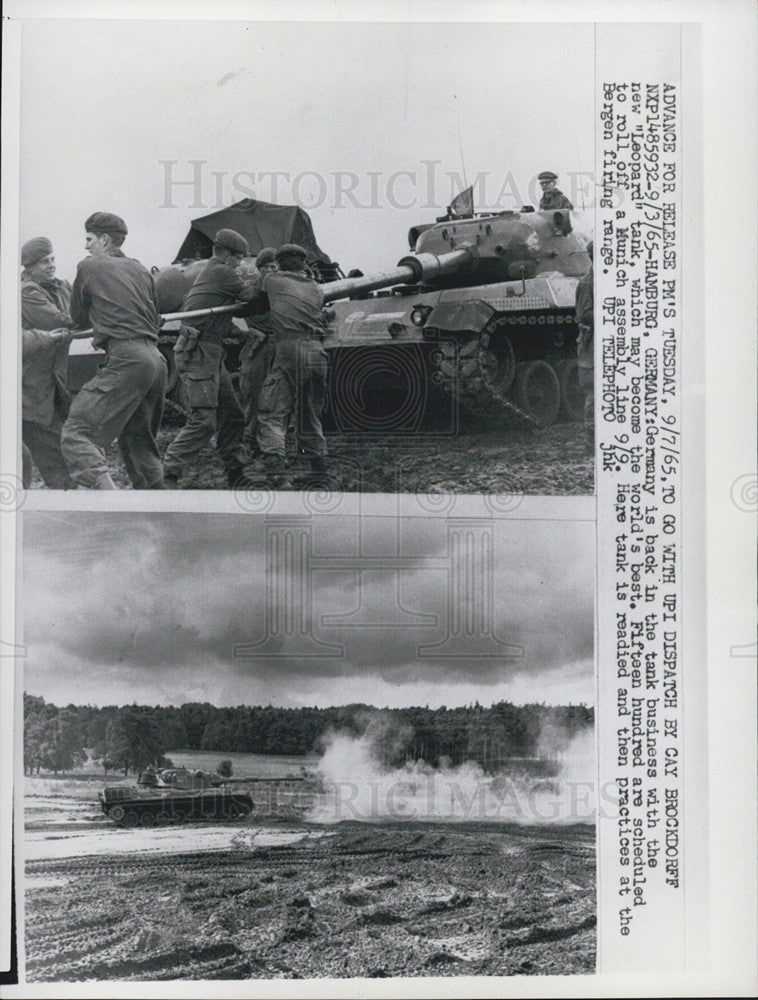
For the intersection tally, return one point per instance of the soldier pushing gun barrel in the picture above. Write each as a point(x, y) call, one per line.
point(116, 296)
point(213, 403)
point(296, 381)
point(491, 305)
point(45, 321)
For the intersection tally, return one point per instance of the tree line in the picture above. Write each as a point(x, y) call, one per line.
point(131, 737)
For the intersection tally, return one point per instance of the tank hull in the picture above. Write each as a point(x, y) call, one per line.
point(134, 806)
point(497, 350)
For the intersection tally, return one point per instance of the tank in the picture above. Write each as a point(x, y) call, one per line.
point(480, 312)
point(175, 795)
point(478, 318)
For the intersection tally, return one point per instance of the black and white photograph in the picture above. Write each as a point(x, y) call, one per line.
point(369, 626)
point(393, 253)
point(307, 746)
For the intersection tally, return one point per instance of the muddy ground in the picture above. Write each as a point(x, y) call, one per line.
point(284, 899)
point(518, 459)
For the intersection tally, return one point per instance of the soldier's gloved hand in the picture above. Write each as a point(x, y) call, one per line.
point(61, 336)
point(237, 337)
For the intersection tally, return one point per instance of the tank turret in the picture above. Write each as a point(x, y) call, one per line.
point(490, 297)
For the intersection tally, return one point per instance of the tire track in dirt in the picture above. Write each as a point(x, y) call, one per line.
point(409, 899)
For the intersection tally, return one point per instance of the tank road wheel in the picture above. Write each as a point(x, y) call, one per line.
point(131, 818)
point(572, 397)
point(148, 819)
point(537, 391)
point(179, 816)
point(117, 814)
point(497, 363)
point(243, 809)
point(163, 818)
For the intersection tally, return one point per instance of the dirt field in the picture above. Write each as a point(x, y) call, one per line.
point(516, 460)
point(290, 900)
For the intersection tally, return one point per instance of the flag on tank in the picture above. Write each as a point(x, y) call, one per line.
point(463, 203)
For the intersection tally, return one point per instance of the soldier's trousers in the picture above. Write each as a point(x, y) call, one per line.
point(124, 400)
point(253, 373)
point(587, 384)
point(296, 383)
point(214, 409)
point(43, 442)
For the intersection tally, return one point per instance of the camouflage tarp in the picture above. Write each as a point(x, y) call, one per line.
point(261, 223)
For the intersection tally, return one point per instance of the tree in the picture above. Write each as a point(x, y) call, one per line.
point(134, 739)
point(64, 742)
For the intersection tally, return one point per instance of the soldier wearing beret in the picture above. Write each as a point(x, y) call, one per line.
point(213, 404)
point(255, 356)
point(552, 197)
point(45, 318)
point(296, 381)
point(585, 349)
point(115, 295)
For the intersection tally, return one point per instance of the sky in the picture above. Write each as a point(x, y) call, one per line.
point(150, 607)
point(367, 122)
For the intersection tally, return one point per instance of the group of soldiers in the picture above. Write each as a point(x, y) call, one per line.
point(282, 377)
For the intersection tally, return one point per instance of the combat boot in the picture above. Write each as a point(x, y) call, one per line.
point(276, 472)
point(104, 482)
point(318, 478)
point(235, 475)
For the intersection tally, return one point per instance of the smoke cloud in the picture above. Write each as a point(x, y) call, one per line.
point(357, 787)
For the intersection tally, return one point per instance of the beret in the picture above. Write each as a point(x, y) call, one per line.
point(266, 256)
point(290, 250)
point(547, 175)
point(231, 240)
point(105, 222)
point(34, 250)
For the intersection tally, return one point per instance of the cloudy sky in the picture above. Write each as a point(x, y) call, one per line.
point(150, 607)
point(105, 105)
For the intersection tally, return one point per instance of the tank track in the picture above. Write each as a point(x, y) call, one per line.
point(458, 373)
point(481, 372)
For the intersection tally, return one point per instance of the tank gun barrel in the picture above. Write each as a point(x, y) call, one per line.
point(411, 270)
point(171, 317)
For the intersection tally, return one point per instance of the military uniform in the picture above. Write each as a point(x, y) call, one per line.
point(45, 399)
point(213, 404)
point(585, 348)
point(296, 380)
point(115, 295)
point(554, 199)
point(255, 360)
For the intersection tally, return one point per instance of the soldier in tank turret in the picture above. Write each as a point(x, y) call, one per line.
point(552, 197)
